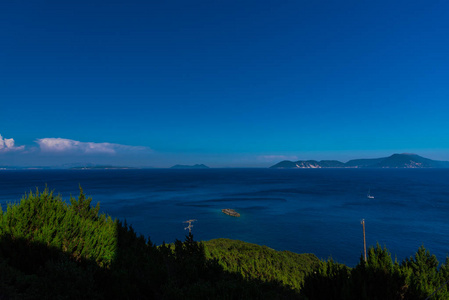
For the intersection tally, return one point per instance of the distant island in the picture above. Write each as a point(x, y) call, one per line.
point(100, 168)
point(66, 167)
point(403, 160)
point(197, 166)
point(23, 168)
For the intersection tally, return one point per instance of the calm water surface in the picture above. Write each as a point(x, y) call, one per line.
point(306, 210)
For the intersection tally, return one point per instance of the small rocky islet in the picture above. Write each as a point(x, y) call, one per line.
point(230, 212)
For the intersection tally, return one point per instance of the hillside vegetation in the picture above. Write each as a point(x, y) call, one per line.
point(261, 262)
point(53, 249)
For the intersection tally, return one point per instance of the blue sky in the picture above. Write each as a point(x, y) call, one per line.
point(225, 83)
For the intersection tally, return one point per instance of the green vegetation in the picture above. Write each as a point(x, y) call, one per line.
point(52, 249)
point(380, 278)
point(260, 262)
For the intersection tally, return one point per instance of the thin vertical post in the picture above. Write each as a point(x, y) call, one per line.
point(364, 240)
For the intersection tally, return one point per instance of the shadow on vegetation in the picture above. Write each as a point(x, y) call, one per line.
point(53, 250)
point(416, 278)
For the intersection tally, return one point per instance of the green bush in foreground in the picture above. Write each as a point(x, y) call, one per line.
point(76, 228)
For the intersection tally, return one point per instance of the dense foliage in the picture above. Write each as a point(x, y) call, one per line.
point(52, 249)
point(261, 262)
point(76, 228)
point(418, 277)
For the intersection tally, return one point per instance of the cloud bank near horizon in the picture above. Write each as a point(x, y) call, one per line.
point(61, 146)
point(68, 152)
point(61, 151)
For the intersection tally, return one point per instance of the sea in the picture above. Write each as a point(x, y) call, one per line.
point(300, 210)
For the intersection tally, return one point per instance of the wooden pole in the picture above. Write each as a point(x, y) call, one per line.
point(364, 240)
point(190, 225)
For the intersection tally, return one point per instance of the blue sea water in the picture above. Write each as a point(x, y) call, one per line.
point(305, 211)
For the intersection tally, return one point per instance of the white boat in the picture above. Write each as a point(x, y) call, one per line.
point(369, 195)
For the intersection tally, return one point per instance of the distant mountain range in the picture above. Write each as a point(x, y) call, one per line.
point(404, 160)
point(197, 166)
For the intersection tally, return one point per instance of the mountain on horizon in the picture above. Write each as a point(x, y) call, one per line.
point(403, 160)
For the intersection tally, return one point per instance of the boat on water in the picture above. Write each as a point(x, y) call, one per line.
point(369, 195)
point(230, 212)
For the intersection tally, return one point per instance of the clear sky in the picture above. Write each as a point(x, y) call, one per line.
point(224, 83)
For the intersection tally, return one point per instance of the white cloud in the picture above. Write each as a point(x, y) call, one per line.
point(7, 145)
point(60, 145)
